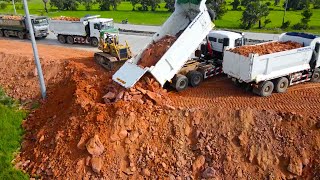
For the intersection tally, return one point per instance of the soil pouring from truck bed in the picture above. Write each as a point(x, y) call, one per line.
point(12, 17)
point(156, 50)
point(64, 18)
point(266, 48)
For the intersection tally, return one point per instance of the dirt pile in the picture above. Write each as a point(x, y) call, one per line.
point(266, 48)
point(19, 76)
point(147, 90)
point(8, 17)
point(206, 132)
point(155, 51)
point(65, 18)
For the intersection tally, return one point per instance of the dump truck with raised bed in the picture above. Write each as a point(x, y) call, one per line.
point(171, 47)
point(85, 30)
point(17, 26)
point(274, 66)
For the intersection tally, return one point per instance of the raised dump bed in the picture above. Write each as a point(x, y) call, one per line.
point(185, 29)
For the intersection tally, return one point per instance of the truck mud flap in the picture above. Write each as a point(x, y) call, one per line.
point(128, 75)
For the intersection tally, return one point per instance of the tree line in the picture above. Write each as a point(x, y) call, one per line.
point(255, 11)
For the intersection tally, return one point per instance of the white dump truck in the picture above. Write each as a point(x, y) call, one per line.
point(17, 26)
point(191, 22)
point(276, 71)
point(85, 31)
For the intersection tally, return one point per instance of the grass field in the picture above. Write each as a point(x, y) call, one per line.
point(10, 137)
point(230, 20)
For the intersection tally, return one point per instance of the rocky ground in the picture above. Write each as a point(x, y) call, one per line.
point(90, 128)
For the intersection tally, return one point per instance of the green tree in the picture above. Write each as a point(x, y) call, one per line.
point(154, 4)
point(253, 14)
point(106, 5)
point(316, 4)
point(218, 6)
point(304, 22)
point(87, 4)
point(45, 5)
point(134, 3)
point(65, 5)
point(276, 2)
point(169, 5)
point(235, 4)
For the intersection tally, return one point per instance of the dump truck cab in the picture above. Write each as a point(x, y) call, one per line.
point(218, 40)
point(40, 26)
point(96, 25)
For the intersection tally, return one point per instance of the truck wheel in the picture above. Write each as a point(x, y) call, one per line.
point(180, 82)
point(316, 75)
point(62, 39)
point(94, 42)
point(195, 78)
point(70, 40)
point(1, 33)
point(281, 84)
point(265, 88)
point(6, 33)
point(21, 35)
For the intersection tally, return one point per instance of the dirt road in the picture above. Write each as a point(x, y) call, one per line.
point(212, 131)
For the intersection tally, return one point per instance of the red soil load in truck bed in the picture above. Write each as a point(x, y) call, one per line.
point(153, 54)
point(266, 48)
point(64, 18)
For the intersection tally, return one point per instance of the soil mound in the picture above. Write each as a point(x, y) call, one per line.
point(75, 134)
point(65, 18)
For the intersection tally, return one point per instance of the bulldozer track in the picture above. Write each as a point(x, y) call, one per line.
point(220, 92)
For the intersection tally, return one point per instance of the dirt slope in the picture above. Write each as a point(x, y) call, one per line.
point(215, 131)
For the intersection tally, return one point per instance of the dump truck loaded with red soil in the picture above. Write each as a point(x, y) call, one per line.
point(274, 66)
point(17, 26)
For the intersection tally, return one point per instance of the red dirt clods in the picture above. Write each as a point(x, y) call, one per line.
point(147, 90)
point(153, 54)
point(65, 18)
point(266, 48)
point(8, 17)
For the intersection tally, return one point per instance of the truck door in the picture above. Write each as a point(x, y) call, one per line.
point(95, 30)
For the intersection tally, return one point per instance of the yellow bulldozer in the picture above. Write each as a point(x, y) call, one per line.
point(113, 53)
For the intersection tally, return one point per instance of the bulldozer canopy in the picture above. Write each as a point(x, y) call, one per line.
point(197, 2)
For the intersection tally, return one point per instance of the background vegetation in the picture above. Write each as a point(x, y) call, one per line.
point(10, 136)
point(155, 12)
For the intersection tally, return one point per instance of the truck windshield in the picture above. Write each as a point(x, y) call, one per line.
point(40, 22)
point(107, 25)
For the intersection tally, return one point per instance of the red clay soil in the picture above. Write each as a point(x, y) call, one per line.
point(266, 48)
point(212, 131)
point(155, 51)
point(65, 18)
point(8, 17)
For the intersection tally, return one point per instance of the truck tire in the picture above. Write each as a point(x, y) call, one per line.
point(6, 33)
point(70, 40)
point(194, 78)
point(265, 88)
point(94, 42)
point(21, 35)
point(180, 82)
point(316, 75)
point(62, 39)
point(281, 85)
point(1, 33)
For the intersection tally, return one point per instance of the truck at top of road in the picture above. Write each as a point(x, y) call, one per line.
point(277, 70)
point(17, 26)
point(190, 23)
point(85, 31)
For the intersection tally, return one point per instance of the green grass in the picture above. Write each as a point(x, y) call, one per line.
point(230, 20)
point(10, 137)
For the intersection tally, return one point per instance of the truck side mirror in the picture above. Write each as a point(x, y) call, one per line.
point(225, 41)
